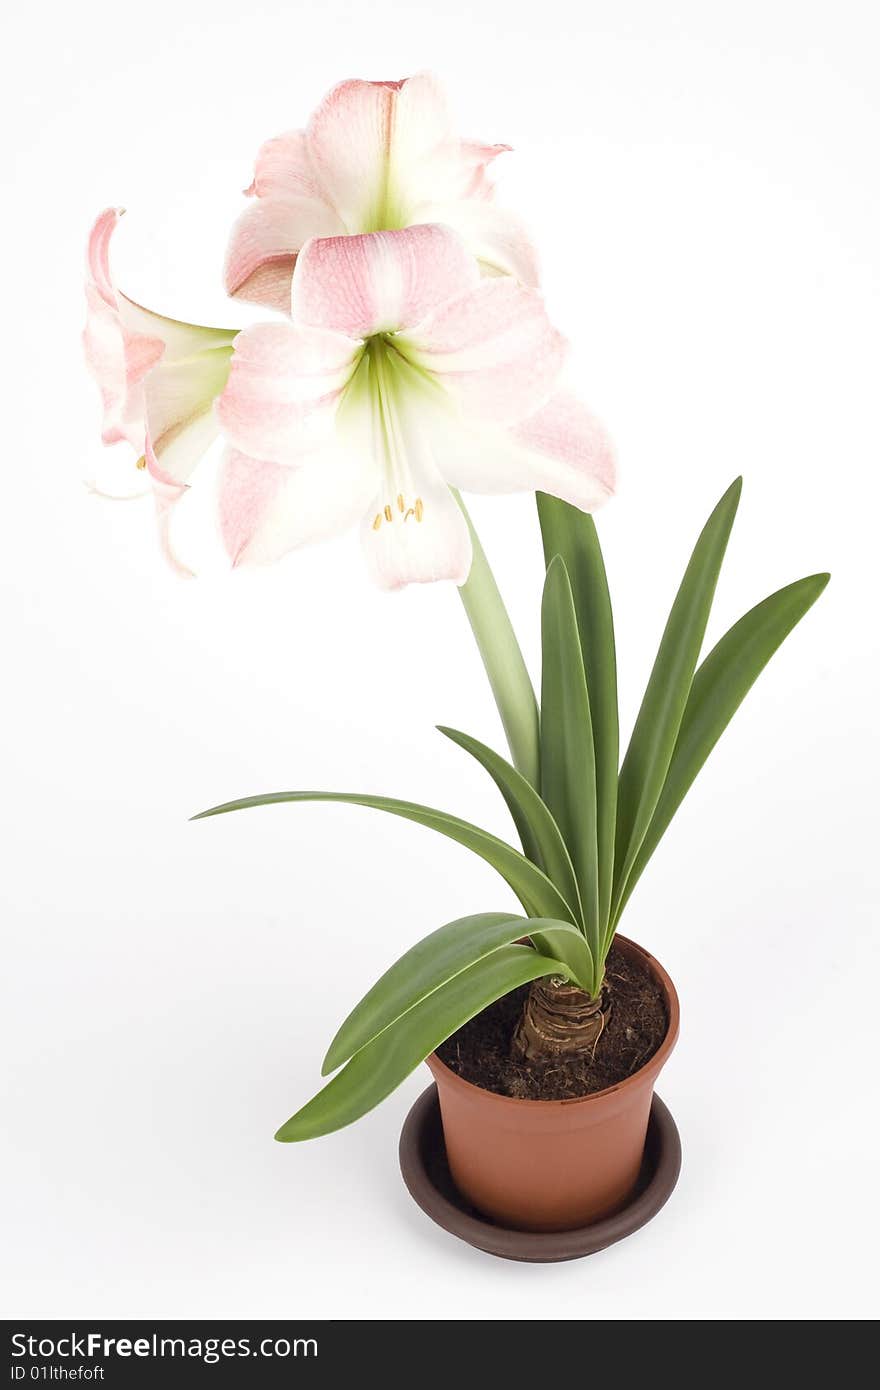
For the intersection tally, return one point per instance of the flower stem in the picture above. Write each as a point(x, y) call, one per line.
point(503, 660)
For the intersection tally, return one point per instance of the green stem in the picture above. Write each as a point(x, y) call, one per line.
point(503, 660)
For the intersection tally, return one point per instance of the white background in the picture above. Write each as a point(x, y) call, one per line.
point(702, 181)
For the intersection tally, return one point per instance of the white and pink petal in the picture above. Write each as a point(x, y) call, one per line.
point(421, 546)
point(493, 348)
point(118, 361)
point(284, 386)
point(492, 234)
point(98, 254)
point(269, 509)
point(167, 492)
point(348, 140)
point(561, 449)
point(381, 149)
point(264, 244)
point(426, 157)
point(117, 357)
point(283, 169)
point(379, 282)
point(414, 531)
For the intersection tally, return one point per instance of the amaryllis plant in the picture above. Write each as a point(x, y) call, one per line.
point(586, 830)
point(415, 358)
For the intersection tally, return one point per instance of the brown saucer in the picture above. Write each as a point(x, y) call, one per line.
point(426, 1174)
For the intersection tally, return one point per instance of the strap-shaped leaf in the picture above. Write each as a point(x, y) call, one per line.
point(431, 963)
point(533, 888)
point(502, 658)
point(719, 688)
point(568, 768)
point(656, 729)
point(566, 943)
point(571, 533)
point(375, 1071)
point(428, 965)
point(541, 837)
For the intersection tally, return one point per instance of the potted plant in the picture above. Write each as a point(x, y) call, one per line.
point(587, 832)
point(402, 372)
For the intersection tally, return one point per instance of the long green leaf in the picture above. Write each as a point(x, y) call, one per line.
point(719, 688)
point(568, 768)
point(431, 963)
point(571, 533)
point(502, 658)
point(656, 729)
point(375, 1071)
point(541, 837)
point(533, 888)
point(428, 965)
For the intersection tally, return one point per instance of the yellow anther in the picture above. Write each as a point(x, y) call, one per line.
point(400, 502)
point(419, 509)
point(409, 514)
point(141, 463)
point(388, 512)
point(377, 521)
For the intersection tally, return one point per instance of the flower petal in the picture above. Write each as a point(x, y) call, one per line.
point(414, 531)
point(177, 396)
point(264, 242)
point(493, 235)
point(348, 140)
point(268, 509)
point(407, 550)
point(379, 149)
point(493, 348)
point(561, 449)
point(362, 285)
point(283, 389)
point(478, 156)
point(283, 168)
point(118, 362)
point(117, 357)
point(98, 254)
point(427, 158)
point(180, 339)
point(166, 494)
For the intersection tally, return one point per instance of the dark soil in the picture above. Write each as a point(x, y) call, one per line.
point(636, 1026)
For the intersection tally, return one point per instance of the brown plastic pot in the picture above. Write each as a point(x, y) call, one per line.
point(552, 1165)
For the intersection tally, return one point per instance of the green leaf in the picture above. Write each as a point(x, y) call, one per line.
point(533, 888)
point(502, 658)
point(656, 729)
point(572, 534)
point(568, 768)
point(375, 1071)
point(541, 837)
point(421, 970)
point(719, 688)
point(431, 963)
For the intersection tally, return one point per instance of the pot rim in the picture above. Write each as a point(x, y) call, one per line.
point(655, 1063)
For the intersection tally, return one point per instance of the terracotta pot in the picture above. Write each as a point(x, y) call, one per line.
point(551, 1165)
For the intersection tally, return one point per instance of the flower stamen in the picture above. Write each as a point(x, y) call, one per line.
point(387, 512)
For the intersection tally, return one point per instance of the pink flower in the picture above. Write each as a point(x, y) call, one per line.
point(158, 377)
point(374, 156)
point(401, 375)
point(118, 357)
